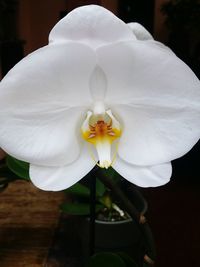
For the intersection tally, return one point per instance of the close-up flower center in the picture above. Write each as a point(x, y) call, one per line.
point(101, 131)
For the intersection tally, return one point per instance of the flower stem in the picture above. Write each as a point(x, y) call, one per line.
point(92, 182)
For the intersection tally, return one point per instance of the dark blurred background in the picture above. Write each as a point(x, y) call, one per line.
point(174, 208)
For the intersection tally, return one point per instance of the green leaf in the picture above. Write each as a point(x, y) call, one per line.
point(127, 259)
point(78, 190)
point(100, 188)
point(78, 208)
point(20, 168)
point(105, 259)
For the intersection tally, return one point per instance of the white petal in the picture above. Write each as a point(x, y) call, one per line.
point(51, 78)
point(59, 178)
point(41, 102)
point(92, 25)
point(145, 176)
point(154, 134)
point(140, 71)
point(49, 139)
point(161, 97)
point(140, 32)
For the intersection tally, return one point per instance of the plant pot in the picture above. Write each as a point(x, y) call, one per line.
point(117, 236)
point(120, 236)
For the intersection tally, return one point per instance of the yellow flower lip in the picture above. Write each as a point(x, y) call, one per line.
point(101, 131)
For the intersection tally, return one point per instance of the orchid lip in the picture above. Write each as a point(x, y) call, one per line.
point(101, 130)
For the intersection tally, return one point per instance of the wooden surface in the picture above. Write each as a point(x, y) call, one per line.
point(28, 219)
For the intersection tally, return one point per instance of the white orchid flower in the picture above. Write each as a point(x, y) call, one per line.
point(102, 92)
